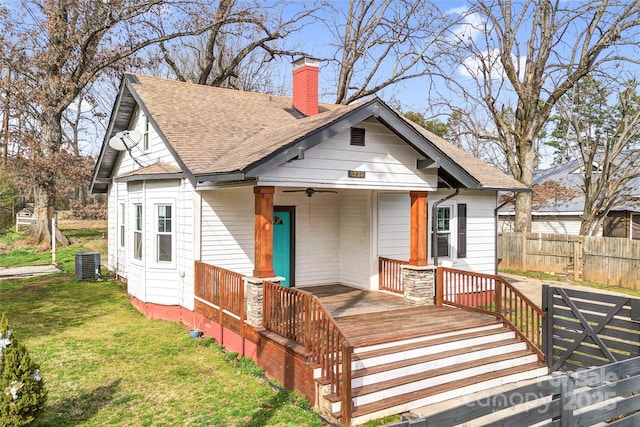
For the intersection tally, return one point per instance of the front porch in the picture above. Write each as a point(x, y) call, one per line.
point(371, 318)
point(367, 351)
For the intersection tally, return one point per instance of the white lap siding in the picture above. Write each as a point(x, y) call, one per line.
point(481, 230)
point(394, 214)
point(355, 239)
point(167, 283)
point(394, 227)
point(227, 229)
point(386, 161)
point(317, 236)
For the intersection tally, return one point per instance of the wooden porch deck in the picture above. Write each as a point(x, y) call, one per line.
point(371, 317)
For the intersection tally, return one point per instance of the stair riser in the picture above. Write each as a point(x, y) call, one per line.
point(435, 381)
point(427, 338)
point(423, 351)
point(431, 382)
point(457, 393)
point(436, 364)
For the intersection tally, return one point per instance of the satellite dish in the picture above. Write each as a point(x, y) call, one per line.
point(125, 140)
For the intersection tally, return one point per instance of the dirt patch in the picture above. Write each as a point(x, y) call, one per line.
point(75, 224)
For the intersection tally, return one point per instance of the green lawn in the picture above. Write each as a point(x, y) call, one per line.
point(104, 363)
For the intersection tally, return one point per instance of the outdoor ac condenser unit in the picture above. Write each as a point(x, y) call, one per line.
point(87, 265)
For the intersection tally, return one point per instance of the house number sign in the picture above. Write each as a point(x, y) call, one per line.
point(356, 174)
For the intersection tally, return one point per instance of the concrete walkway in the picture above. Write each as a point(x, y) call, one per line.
point(532, 288)
point(27, 271)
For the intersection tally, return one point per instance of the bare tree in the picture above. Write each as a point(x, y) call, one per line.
point(381, 43)
point(236, 51)
point(603, 138)
point(68, 44)
point(522, 57)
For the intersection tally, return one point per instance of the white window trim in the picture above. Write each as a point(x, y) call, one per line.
point(453, 231)
point(146, 137)
point(166, 265)
point(122, 226)
point(156, 233)
point(134, 204)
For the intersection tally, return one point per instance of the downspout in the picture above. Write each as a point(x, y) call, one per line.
point(495, 237)
point(434, 225)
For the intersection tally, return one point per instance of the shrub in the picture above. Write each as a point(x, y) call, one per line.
point(22, 390)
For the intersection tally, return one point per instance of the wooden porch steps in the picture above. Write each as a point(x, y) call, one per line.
point(397, 377)
point(454, 389)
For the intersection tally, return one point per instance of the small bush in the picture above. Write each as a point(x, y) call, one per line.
point(22, 390)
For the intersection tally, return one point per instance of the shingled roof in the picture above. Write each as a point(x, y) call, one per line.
point(220, 134)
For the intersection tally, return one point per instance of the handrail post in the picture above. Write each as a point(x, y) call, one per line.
point(498, 296)
point(307, 324)
point(346, 402)
point(439, 286)
point(221, 295)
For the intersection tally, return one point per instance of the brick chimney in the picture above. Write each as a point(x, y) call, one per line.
point(305, 85)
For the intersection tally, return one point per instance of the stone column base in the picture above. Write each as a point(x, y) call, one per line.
point(254, 298)
point(419, 284)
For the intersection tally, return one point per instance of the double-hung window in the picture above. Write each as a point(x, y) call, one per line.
point(122, 225)
point(164, 234)
point(137, 232)
point(145, 133)
point(443, 239)
point(451, 237)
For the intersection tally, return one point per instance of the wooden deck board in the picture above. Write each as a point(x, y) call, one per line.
point(370, 317)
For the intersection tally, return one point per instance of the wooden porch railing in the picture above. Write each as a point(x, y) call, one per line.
point(489, 294)
point(220, 288)
point(390, 275)
point(301, 317)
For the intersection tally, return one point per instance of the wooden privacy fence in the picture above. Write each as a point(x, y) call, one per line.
point(300, 317)
point(585, 329)
point(219, 295)
point(489, 294)
point(390, 275)
point(608, 260)
point(583, 398)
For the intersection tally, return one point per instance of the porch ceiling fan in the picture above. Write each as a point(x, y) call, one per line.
point(309, 191)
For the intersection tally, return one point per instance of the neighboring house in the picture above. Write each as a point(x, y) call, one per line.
point(558, 204)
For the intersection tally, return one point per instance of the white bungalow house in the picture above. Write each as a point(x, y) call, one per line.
point(265, 187)
point(339, 179)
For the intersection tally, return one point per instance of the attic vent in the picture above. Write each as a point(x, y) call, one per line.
point(87, 265)
point(357, 137)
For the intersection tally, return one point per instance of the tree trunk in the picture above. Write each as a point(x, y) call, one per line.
point(39, 231)
point(526, 154)
point(523, 213)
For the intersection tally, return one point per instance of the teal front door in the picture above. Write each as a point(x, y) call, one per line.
point(283, 245)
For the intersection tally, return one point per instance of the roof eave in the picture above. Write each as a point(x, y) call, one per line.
point(130, 79)
point(510, 189)
point(107, 135)
point(374, 108)
point(150, 176)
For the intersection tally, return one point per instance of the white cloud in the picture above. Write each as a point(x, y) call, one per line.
point(487, 65)
point(471, 27)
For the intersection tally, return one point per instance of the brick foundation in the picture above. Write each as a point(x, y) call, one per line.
point(175, 313)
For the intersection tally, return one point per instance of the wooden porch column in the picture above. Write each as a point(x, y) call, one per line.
point(418, 239)
point(263, 266)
